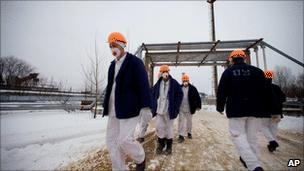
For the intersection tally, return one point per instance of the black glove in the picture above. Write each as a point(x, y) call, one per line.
point(220, 109)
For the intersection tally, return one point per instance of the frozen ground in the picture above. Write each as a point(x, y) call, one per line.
point(292, 124)
point(210, 148)
point(48, 139)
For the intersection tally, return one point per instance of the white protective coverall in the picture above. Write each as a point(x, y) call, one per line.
point(244, 134)
point(185, 116)
point(120, 138)
point(164, 125)
point(270, 127)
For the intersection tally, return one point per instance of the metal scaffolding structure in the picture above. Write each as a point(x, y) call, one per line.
point(213, 53)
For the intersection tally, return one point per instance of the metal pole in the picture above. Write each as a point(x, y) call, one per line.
point(283, 54)
point(248, 59)
point(214, 68)
point(264, 57)
point(256, 55)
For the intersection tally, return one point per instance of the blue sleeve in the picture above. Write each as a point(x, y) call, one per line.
point(106, 97)
point(143, 86)
point(198, 99)
point(179, 95)
point(222, 92)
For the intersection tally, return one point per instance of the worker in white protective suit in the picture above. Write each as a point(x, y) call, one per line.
point(244, 92)
point(190, 104)
point(166, 100)
point(270, 124)
point(127, 96)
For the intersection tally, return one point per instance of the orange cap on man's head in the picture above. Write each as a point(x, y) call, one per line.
point(268, 74)
point(116, 37)
point(185, 77)
point(164, 68)
point(237, 53)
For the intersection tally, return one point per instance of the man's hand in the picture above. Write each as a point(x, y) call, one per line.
point(146, 114)
point(220, 110)
point(276, 118)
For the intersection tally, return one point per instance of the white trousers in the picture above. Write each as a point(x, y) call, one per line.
point(164, 126)
point(184, 123)
point(244, 133)
point(121, 142)
point(270, 127)
point(143, 124)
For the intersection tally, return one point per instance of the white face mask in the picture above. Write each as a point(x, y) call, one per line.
point(165, 75)
point(116, 52)
point(185, 84)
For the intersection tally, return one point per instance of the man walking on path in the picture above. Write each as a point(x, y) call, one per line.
point(190, 104)
point(166, 100)
point(270, 124)
point(127, 96)
point(243, 90)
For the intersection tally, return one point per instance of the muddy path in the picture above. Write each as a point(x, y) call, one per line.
point(210, 149)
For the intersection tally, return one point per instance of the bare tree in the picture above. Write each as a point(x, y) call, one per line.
point(300, 85)
point(291, 86)
point(64, 97)
point(283, 76)
point(95, 74)
point(13, 69)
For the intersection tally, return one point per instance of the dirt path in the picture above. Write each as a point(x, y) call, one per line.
point(210, 149)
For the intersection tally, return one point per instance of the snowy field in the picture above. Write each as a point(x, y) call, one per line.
point(48, 139)
point(289, 123)
point(292, 124)
point(51, 139)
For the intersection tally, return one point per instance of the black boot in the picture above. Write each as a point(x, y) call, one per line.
point(258, 169)
point(181, 139)
point(243, 162)
point(140, 140)
point(272, 146)
point(169, 146)
point(189, 135)
point(141, 166)
point(160, 145)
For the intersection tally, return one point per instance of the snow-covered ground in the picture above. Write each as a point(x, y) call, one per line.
point(51, 139)
point(48, 139)
point(292, 124)
point(210, 149)
point(289, 123)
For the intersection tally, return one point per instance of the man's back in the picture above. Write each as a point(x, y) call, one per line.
point(278, 97)
point(243, 89)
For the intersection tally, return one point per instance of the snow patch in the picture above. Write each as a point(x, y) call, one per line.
point(292, 123)
point(45, 140)
point(153, 164)
point(209, 108)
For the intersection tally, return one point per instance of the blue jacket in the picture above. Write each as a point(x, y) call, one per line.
point(277, 99)
point(194, 99)
point(175, 94)
point(132, 90)
point(244, 92)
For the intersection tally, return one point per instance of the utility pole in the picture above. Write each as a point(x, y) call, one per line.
point(214, 68)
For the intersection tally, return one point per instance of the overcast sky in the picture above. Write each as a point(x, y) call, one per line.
point(56, 37)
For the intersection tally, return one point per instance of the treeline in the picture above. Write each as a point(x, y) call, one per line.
point(292, 86)
point(17, 73)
